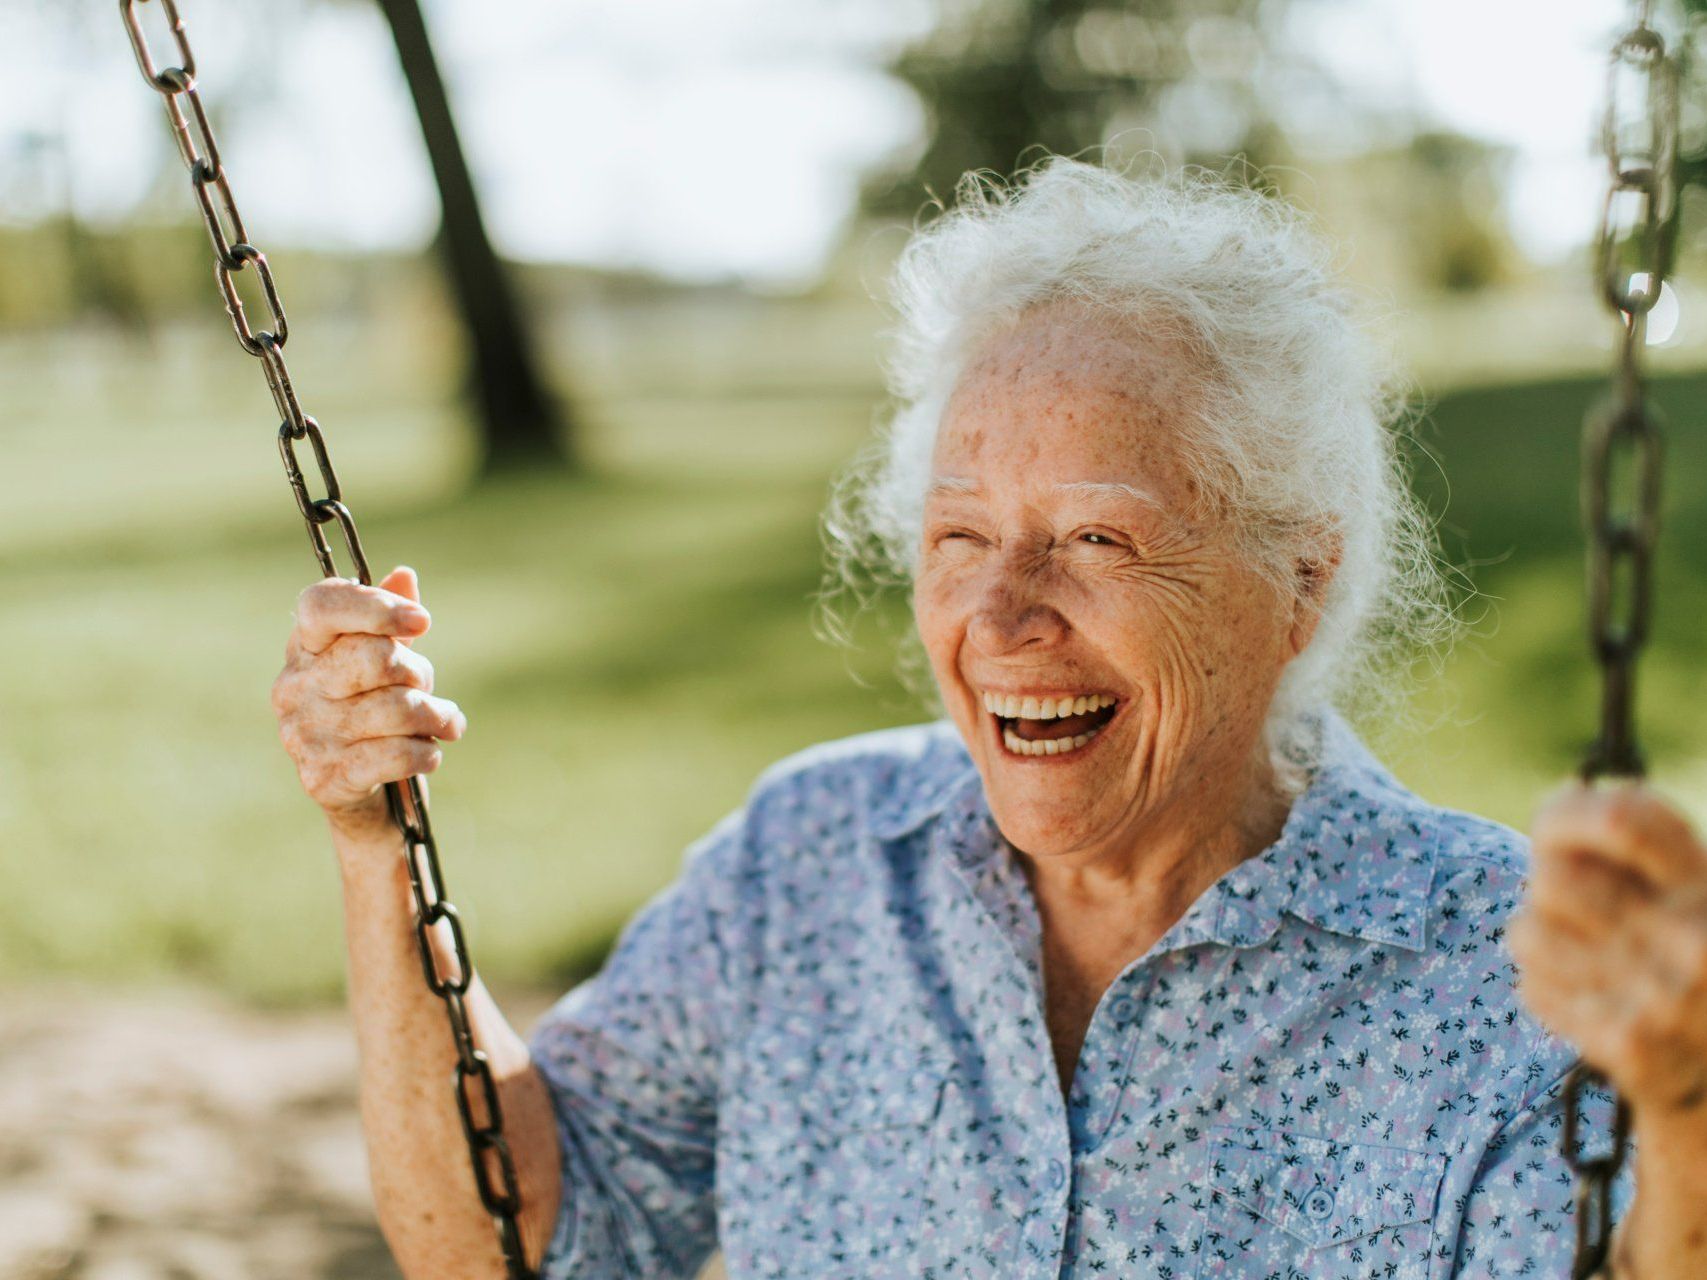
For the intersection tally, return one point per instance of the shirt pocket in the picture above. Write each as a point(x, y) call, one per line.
point(825, 1174)
point(1284, 1203)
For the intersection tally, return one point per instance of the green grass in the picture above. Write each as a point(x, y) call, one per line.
point(630, 649)
point(1519, 699)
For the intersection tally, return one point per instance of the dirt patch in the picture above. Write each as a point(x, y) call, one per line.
point(172, 1136)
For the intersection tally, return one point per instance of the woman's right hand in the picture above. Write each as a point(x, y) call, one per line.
point(355, 703)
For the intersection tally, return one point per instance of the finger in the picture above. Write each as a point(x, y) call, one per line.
point(1654, 958)
point(337, 606)
point(1677, 943)
point(1585, 894)
point(1606, 963)
point(373, 762)
point(1631, 1005)
point(1565, 982)
point(1625, 823)
point(404, 582)
point(356, 664)
point(393, 712)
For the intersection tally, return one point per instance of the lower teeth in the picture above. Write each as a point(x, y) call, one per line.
point(1046, 746)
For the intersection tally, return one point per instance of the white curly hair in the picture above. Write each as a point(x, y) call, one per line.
point(1294, 432)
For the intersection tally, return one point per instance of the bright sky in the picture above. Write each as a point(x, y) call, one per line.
point(1527, 73)
point(700, 138)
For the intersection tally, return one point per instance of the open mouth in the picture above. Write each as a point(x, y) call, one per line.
point(1050, 726)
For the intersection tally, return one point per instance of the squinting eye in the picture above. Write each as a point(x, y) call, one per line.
point(953, 535)
point(1099, 539)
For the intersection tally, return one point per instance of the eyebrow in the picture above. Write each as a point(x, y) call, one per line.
point(1109, 488)
point(953, 484)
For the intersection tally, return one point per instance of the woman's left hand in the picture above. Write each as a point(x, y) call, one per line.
point(1612, 941)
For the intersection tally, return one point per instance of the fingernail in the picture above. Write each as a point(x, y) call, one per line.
point(412, 616)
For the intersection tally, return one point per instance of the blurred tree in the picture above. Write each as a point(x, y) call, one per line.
point(521, 425)
point(1440, 195)
point(1459, 232)
point(1692, 143)
point(1000, 76)
point(1198, 81)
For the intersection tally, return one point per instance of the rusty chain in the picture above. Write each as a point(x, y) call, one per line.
point(1622, 460)
point(437, 925)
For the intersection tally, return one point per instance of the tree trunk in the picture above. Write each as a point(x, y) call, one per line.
point(520, 425)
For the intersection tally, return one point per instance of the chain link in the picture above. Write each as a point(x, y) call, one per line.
point(1622, 461)
point(438, 928)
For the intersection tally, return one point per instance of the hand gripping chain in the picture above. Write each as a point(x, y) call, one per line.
point(435, 918)
point(1621, 437)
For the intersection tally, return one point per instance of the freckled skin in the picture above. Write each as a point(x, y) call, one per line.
point(1024, 587)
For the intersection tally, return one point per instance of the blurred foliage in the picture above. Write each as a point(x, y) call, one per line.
point(1195, 81)
point(1000, 77)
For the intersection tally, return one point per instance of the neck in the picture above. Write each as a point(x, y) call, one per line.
point(1144, 887)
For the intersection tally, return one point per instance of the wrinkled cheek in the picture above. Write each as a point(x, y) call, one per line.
point(939, 628)
point(1185, 674)
point(940, 610)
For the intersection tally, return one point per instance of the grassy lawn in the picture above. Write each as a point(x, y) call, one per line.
point(631, 649)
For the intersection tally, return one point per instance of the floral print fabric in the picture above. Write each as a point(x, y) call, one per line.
point(823, 1050)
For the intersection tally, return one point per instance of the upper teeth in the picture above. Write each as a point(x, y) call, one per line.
point(1010, 707)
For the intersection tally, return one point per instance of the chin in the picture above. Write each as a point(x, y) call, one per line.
point(1042, 830)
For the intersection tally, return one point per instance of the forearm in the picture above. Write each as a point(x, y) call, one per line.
point(423, 1184)
point(1664, 1234)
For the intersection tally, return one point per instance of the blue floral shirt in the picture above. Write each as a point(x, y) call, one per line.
point(823, 1050)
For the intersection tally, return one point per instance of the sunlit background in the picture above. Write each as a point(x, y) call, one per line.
point(693, 206)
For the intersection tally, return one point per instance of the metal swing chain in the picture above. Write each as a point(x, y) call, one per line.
point(1622, 459)
point(435, 917)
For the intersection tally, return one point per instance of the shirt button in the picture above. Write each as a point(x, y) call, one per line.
point(1124, 1008)
point(1057, 1175)
point(1319, 1204)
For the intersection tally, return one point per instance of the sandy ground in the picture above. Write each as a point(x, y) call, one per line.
point(171, 1136)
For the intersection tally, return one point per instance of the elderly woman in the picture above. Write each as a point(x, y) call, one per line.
point(1136, 962)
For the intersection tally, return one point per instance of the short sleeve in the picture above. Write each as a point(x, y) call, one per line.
point(631, 1060)
point(1519, 1216)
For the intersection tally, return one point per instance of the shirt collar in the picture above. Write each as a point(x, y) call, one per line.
point(1355, 856)
point(927, 784)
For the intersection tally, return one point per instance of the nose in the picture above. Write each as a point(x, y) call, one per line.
point(1013, 614)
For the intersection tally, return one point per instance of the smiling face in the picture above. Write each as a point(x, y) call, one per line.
point(1104, 648)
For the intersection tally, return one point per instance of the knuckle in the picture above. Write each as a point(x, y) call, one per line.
point(407, 757)
point(437, 714)
point(281, 697)
point(400, 668)
point(341, 648)
point(1695, 964)
point(344, 776)
point(317, 778)
point(1623, 812)
point(311, 601)
point(1634, 1042)
point(415, 712)
point(1520, 938)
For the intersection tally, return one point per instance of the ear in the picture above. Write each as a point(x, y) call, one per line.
point(1314, 574)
